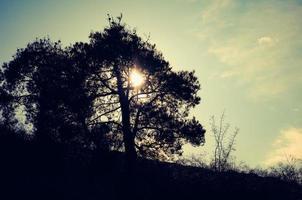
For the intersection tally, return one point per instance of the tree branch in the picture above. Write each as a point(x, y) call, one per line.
point(105, 84)
point(105, 113)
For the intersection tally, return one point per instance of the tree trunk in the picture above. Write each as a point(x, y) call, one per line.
point(128, 177)
point(126, 126)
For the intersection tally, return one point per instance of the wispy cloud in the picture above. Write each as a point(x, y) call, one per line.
point(257, 42)
point(213, 10)
point(288, 143)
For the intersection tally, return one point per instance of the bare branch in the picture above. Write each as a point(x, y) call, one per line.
point(106, 113)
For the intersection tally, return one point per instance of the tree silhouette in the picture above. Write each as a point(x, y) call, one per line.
point(85, 93)
point(152, 117)
point(42, 82)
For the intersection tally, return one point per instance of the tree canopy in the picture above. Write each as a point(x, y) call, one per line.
point(87, 93)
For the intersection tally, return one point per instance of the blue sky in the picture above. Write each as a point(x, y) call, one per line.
point(247, 56)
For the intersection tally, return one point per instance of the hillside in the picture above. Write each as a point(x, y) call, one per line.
point(32, 171)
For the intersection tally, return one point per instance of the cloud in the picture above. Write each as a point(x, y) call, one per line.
point(265, 41)
point(257, 43)
point(213, 9)
point(288, 143)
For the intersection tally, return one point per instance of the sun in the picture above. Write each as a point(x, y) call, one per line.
point(136, 78)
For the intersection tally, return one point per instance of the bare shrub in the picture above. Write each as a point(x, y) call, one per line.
point(289, 170)
point(224, 144)
point(194, 161)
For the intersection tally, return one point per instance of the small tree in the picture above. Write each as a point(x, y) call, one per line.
point(224, 143)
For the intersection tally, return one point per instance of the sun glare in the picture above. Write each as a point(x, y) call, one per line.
point(136, 78)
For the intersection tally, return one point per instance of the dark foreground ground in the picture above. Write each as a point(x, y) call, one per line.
point(33, 171)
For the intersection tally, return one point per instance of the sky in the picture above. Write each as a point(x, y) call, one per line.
point(246, 54)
